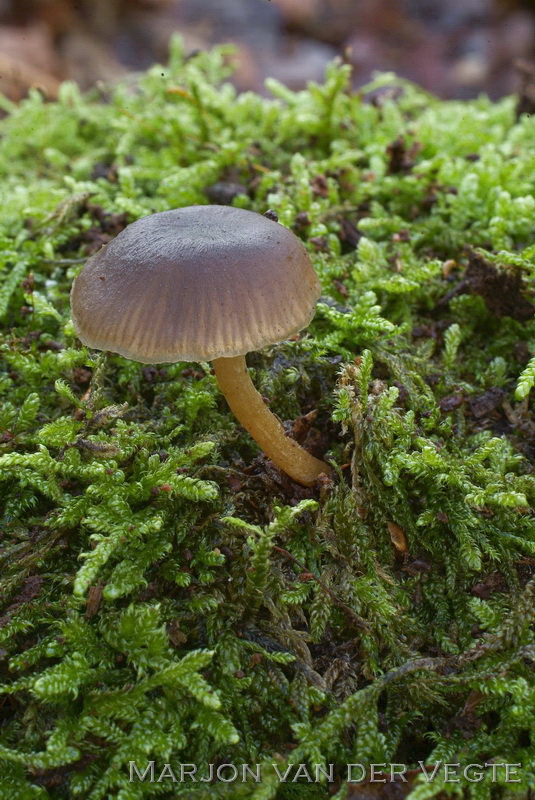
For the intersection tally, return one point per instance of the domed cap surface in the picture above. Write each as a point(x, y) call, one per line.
point(194, 284)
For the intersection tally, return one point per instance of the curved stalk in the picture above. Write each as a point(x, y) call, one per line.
point(251, 411)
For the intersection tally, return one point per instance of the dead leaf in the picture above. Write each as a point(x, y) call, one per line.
point(397, 536)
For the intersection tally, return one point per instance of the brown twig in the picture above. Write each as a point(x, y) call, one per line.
point(358, 621)
point(460, 288)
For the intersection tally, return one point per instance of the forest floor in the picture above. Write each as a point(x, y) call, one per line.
point(456, 49)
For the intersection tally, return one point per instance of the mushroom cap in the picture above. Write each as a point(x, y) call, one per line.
point(194, 284)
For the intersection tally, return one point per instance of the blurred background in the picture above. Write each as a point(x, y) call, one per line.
point(454, 48)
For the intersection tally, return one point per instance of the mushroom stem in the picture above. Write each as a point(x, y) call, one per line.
point(251, 411)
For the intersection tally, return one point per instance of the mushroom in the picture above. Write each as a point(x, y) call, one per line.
point(204, 283)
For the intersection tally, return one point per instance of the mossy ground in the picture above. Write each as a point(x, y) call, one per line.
point(167, 594)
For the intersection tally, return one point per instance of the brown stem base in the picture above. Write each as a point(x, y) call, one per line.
point(251, 411)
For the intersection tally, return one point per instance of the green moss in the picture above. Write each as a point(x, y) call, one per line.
point(167, 595)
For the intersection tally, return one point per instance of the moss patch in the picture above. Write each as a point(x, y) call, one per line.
point(167, 595)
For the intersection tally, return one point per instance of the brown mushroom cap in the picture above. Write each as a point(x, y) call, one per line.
point(195, 284)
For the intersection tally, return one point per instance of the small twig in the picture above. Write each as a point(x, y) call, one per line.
point(459, 289)
point(358, 621)
point(415, 665)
